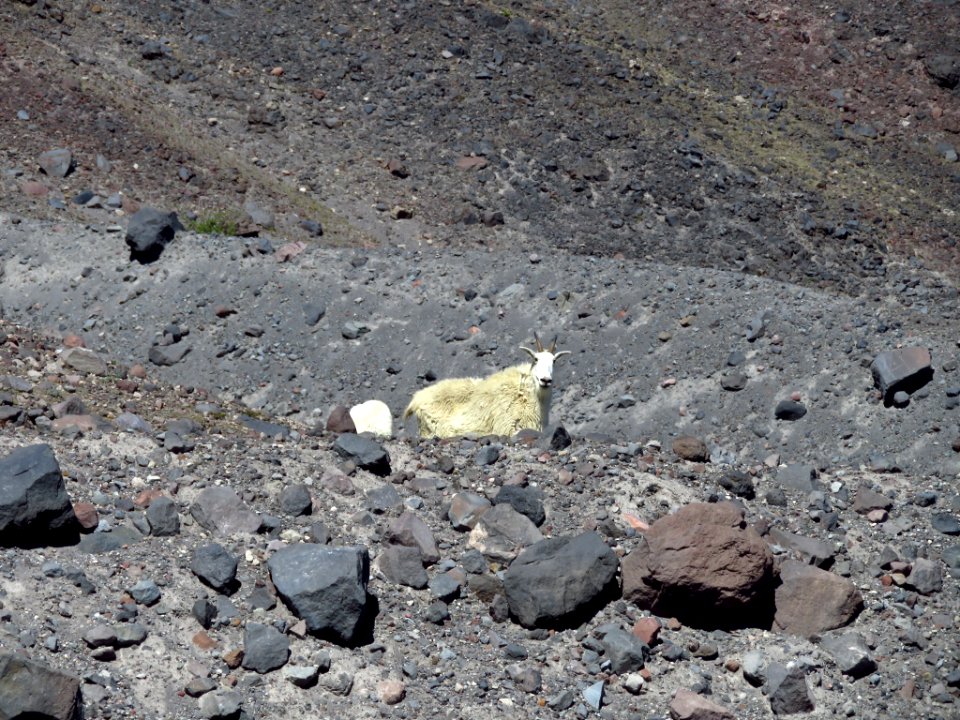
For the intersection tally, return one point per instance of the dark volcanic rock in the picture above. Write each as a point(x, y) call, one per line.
point(366, 453)
point(850, 653)
point(29, 689)
point(149, 232)
point(215, 567)
point(704, 565)
point(789, 410)
point(560, 582)
point(295, 500)
point(403, 565)
point(327, 587)
point(411, 531)
point(163, 517)
point(787, 690)
point(57, 162)
point(525, 500)
point(220, 510)
point(264, 648)
point(34, 506)
point(904, 370)
point(625, 651)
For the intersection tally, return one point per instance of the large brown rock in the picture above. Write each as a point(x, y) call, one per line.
point(704, 565)
point(687, 705)
point(810, 601)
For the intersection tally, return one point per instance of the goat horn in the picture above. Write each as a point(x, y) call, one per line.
point(536, 337)
point(553, 344)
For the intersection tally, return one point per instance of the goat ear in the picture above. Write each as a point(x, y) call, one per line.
point(560, 354)
point(532, 353)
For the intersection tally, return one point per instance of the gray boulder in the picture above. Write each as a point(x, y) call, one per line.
point(220, 510)
point(30, 689)
point(559, 582)
point(264, 648)
point(149, 232)
point(215, 567)
point(525, 500)
point(902, 370)
point(327, 587)
point(365, 453)
point(35, 509)
point(163, 517)
point(851, 654)
point(57, 162)
point(787, 690)
point(625, 651)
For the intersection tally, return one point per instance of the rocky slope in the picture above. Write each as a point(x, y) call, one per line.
point(738, 219)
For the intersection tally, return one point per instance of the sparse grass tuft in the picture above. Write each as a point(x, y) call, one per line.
point(220, 222)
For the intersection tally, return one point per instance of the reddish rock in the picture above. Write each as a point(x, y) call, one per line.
point(703, 564)
point(222, 311)
point(877, 516)
point(867, 500)
point(340, 420)
point(411, 531)
point(233, 658)
point(647, 629)
point(688, 705)
point(204, 641)
point(84, 423)
point(811, 601)
point(137, 371)
point(87, 516)
point(471, 163)
point(127, 386)
point(691, 448)
point(145, 497)
point(72, 340)
point(34, 188)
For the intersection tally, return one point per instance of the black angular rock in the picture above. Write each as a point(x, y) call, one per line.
point(35, 509)
point(295, 500)
point(787, 690)
point(625, 651)
point(163, 517)
point(215, 567)
point(365, 453)
point(327, 587)
point(789, 410)
point(149, 232)
point(29, 689)
point(559, 582)
point(525, 500)
point(850, 653)
point(902, 370)
point(404, 566)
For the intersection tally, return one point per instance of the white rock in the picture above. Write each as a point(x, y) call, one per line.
point(372, 416)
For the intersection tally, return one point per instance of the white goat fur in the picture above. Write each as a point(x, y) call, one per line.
point(510, 400)
point(372, 416)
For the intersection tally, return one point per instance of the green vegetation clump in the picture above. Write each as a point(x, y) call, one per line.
point(217, 223)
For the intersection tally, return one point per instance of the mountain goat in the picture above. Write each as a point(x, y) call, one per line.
point(510, 400)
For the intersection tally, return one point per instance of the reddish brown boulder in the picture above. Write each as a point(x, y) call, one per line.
point(705, 565)
point(811, 601)
point(687, 705)
point(87, 516)
point(340, 420)
point(691, 448)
